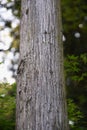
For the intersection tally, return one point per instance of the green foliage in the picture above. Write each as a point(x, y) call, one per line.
point(7, 106)
point(73, 13)
point(75, 67)
point(74, 17)
point(76, 75)
point(73, 111)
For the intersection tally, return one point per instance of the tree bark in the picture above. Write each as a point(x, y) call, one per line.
point(41, 103)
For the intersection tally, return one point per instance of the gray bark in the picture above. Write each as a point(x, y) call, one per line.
point(41, 103)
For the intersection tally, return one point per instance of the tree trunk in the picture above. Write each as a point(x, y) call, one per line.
point(41, 101)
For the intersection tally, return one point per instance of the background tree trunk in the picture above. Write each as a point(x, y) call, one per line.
point(41, 101)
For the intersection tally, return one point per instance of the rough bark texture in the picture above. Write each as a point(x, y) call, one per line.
point(41, 101)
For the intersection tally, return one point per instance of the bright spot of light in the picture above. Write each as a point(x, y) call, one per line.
point(80, 25)
point(16, 66)
point(7, 15)
point(16, 56)
point(1, 24)
point(2, 10)
point(3, 1)
point(15, 23)
point(77, 35)
point(5, 38)
point(1, 56)
point(5, 42)
point(6, 74)
point(10, 56)
point(64, 39)
point(71, 122)
point(2, 95)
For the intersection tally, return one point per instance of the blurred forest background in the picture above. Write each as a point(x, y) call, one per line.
point(74, 19)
